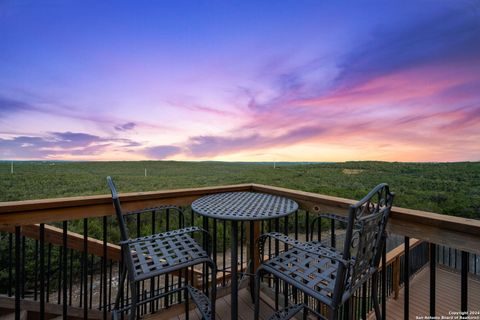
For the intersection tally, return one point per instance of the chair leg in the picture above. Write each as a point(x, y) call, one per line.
point(348, 309)
point(133, 305)
point(120, 288)
point(305, 313)
point(333, 314)
point(257, 293)
point(213, 293)
point(375, 296)
point(187, 303)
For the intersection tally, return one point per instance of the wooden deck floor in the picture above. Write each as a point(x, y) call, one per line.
point(448, 299)
point(245, 309)
point(447, 295)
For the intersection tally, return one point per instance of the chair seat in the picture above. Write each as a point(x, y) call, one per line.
point(307, 271)
point(164, 253)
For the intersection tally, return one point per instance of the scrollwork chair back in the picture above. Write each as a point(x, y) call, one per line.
point(364, 239)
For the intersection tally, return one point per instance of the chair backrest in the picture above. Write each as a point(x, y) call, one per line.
point(365, 236)
point(118, 210)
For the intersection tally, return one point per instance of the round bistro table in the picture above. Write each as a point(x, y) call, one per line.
point(242, 206)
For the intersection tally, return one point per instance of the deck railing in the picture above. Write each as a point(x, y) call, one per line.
point(60, 255)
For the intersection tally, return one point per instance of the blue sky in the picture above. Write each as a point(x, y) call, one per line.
point(225, 80)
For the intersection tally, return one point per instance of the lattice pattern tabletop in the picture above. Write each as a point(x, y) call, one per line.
point(244, 206)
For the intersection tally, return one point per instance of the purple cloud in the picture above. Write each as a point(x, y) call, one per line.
point(161, 152)
point(462, 118)
point(96, 149)
point(59, 143)
point(11, 106)
point(213, 145)
point(73, 139)
point(444, 38)
point(129, 143)
point(125, 127)
point(24, 147)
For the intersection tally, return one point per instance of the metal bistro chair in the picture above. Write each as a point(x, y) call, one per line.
point(322, 272)
point(158, 254)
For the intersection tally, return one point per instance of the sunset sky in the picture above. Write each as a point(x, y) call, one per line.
point(240, 80)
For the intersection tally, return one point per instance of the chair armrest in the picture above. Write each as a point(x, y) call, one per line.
point(159, 208)
point(331, 216)
point(306, 247)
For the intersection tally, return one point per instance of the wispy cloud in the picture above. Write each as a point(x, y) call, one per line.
point(445, 38)
point(424, 74)
point(161, 152)
point(203, 146)
point(8, 106)
point(126, 126)
point(59, 143)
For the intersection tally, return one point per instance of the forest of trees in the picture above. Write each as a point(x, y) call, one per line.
point(447, 188)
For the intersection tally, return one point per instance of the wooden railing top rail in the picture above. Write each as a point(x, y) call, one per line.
point(54, 236)
point(316, 203)
point(59, 209)
point(457, 232)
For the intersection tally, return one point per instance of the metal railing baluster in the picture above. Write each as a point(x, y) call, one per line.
point(224, 250)
point(35, 273)
point(110, 286)
point(64, 265)
point(92, 273)
point(406, 279)
point(242, 241)
point(277, 244)
point(181, 225)
point(85, 268)
point(104, 266)
point(364, 301)
point(152, 281)
point(60, 273)
point(464, 282)
point(294, 289)
point(49, 261)
point(433, 272)
point(42, 270)
point(167, 278)
point(285, 285)
point(71, 278)
point(10, 264)
point(18, 275)
point(384, 281)
point(332, 233)
point(270, 229)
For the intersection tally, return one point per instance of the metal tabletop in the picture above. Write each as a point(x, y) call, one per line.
point(244, 206)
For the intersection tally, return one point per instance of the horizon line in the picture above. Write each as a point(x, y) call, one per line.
point(240, 161)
